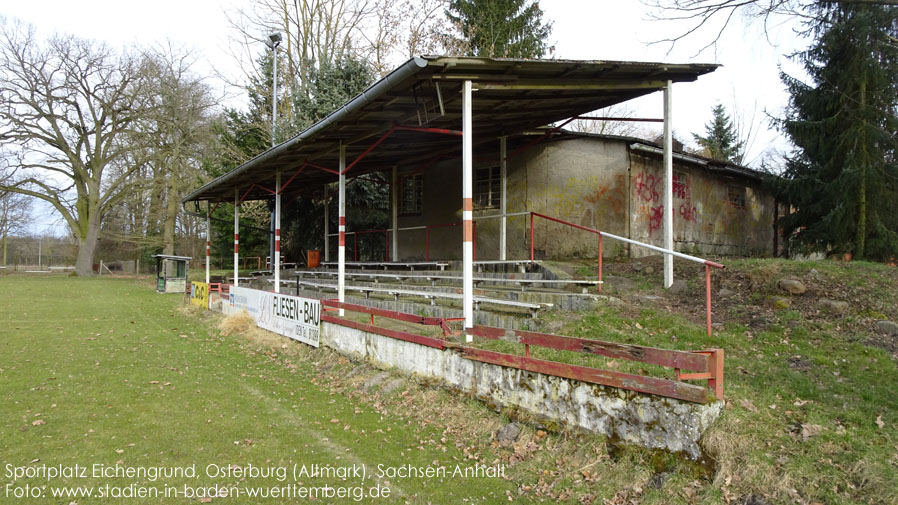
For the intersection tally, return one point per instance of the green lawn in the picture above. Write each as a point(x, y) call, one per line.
point(104, 371)
point(118, 373)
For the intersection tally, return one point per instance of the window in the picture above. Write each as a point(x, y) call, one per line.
point(411, 193)
point(680, 186)
point(736, 196)
point(486, 187)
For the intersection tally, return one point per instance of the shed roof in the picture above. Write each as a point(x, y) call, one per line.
point(400, 115)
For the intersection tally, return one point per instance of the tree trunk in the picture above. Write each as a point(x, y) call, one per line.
point(860, 240)
point(171, 215)
point(87, 246)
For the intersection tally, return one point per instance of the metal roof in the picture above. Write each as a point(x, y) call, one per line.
point(512, 96)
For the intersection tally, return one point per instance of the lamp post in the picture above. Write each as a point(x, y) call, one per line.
point(274, 40)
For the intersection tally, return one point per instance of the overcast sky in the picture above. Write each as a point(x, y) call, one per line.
point(748, 82)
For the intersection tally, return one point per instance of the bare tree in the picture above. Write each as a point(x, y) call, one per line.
point(15, 213)
point(178, 131)
point(716, 15)
point(70, 108)
point(619, 125)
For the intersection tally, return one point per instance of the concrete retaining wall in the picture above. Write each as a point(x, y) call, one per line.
point(646, 420)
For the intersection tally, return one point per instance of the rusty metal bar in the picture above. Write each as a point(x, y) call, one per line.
point(650, 385)
point(370, 148)
point(399, 335)
point(651, 355)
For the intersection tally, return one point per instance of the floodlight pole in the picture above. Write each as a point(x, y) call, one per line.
point(274, 246)
point(467, 212)
point(668, 186)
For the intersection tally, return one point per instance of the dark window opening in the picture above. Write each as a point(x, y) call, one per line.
point(411, 194)
point(486, 188)
point(736, 196)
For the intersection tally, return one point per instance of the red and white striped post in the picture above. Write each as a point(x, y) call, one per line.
point(276, 261)
point(341, 212)
point(208, 236)
point(467, 212)
point(236, 236)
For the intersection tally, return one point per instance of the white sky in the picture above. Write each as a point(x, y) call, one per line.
point(583, 29)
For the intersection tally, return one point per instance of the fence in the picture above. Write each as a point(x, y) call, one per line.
point(600, 234)
point(706, 364)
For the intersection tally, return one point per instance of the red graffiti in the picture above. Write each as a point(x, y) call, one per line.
point(687, 213)
point(681, 186)
point(656, 218)
point(645, 187)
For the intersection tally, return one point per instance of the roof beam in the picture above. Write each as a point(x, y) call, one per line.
point(547, 85)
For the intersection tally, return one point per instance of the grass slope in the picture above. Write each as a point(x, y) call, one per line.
point(107, 371)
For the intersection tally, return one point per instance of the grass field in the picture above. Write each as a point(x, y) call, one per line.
point(108, 372)
point(119, 374)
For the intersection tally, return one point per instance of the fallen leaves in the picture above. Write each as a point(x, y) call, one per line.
point(810, 430)
point(748, 405)
point(879, 422)
point(38, 422)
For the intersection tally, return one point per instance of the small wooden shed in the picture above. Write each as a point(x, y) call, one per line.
point(171, 273)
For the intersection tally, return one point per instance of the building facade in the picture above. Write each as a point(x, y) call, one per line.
point(612, 184)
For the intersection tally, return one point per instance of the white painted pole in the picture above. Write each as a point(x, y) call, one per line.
point(208, 237)
point(341, 251)
point(503, 202)
point(327, 250)
point(276, 262)
point(467, 211)
point(394, 205)
point(668, 186)
point(236, 236)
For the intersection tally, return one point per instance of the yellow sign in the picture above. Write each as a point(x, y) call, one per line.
point(199, 294)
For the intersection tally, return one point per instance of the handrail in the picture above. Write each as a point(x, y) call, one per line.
point(708, 263)
point(708, 364)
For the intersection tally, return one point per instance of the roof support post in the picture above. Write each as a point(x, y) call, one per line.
point(668, 186)
point(208, 236)
point(276, 259)
point(236, 236)
point(327, 249)
point(467, 211)
point(394, 207)
point(503, 202)
point(341, 229)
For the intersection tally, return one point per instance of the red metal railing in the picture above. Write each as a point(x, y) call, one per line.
point(706, 365)
point(708, 264)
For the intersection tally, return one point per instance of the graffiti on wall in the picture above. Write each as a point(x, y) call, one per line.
point(613, 195)
point(646, 187)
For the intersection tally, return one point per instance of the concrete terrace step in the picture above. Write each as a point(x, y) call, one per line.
point(522, 281)
point(499, 319)
point(431, 295)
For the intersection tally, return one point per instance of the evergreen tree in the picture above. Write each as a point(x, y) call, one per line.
point(721, 141)
point(843, 178)
point(499, 28)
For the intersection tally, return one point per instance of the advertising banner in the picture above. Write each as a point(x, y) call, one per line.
point(292, 316)
point(199, 294)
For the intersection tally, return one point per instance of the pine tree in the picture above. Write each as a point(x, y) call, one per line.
point(499, 28)
point(843, 177)
point(721, 141)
